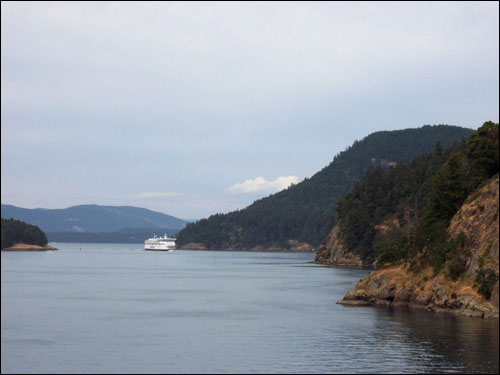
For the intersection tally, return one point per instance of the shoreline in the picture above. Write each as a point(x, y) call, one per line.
point(252, 251)
point(434, 309)
point(344, 266)
point(395, 287)
point(29, 247)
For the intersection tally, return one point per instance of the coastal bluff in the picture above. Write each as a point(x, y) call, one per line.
point(474, 293)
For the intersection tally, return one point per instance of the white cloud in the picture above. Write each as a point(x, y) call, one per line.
point(260, 184)
point(150, 195)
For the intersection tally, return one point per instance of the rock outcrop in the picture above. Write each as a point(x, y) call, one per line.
point(478, 220)
point(334, 253)
point(398, 286)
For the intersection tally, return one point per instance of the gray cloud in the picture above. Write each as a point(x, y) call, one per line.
point(111, 99)
point(156, 195)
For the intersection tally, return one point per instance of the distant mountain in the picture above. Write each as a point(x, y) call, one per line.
point(92, 218)
point(301, 215)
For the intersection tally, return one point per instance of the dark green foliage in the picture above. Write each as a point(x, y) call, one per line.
point(391, 251)
point(304, 212)
point(422, 196)
point(485, 281)
point(396, 193)
point(457, 256)
point(463, 173)
point(15, 231)
point(456, 268)
point(482, 153)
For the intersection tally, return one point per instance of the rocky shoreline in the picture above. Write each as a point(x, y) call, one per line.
point(399, 285)
point(395, 287)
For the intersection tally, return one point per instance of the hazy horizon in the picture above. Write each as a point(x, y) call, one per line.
point(192, 109)
point(249, 186)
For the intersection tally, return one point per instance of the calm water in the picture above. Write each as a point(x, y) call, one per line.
point(119, 309)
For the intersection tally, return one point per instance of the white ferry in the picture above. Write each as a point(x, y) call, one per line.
point(160, 243)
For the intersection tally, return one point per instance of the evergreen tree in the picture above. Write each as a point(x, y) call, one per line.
point(15, 231)
point(303, 211)
point(421, 197)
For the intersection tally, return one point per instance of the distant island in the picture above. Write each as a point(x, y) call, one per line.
point(97, 224)
point(20, 236)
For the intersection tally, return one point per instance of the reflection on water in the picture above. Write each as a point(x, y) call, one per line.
point(467, 345)
point(118, 309)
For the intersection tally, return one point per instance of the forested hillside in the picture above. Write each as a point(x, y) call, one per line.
point(386, 200)
point(15, 231)
point(393, 215)
point(302, 214)
point(433, 236)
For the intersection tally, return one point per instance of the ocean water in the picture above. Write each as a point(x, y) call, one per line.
point(115, 308)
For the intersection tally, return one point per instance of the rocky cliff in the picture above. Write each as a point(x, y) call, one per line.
point(334, 253)
point(473, 293)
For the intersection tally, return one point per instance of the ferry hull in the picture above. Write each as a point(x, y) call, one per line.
point(160, 243)
point(158, 248)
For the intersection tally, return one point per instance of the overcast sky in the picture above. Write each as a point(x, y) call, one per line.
point(192, 109)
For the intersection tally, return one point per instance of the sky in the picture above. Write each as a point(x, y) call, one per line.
point(193, 109)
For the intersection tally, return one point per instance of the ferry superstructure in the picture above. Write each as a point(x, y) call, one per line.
point(160, 243)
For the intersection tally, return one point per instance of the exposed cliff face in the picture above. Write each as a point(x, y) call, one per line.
point(334, 253)
point(478, 220)
point(397, 285)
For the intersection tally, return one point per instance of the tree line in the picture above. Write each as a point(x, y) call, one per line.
point(403, 214)
point(15, 231)
point(303, 212)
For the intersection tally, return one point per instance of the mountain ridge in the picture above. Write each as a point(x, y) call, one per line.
point(300, 215)
point(92, 218)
